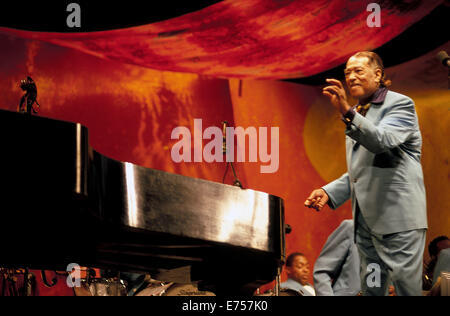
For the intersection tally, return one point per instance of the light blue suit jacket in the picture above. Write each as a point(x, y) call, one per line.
point(336, 271)
point(384, 173)
point(442, 264)
point(294, 285)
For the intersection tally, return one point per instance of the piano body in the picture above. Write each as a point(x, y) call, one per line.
point(62, 202)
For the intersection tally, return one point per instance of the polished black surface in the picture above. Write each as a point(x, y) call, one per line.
point(63, 202)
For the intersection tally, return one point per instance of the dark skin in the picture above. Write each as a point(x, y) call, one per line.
point(362, 80)
point(299, 271)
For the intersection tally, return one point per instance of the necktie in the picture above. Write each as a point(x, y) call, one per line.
point(362, 109)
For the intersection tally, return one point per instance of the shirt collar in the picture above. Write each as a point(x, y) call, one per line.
point(295, 284)
point(379, 96)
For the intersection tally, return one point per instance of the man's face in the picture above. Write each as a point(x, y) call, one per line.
point(362, 79)
point(299, 271)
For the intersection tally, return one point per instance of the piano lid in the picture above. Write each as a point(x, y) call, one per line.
point(124, 214)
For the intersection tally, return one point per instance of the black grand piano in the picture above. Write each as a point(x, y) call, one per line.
point(62, 202)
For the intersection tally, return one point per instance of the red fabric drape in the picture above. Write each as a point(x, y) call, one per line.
point(250, 38)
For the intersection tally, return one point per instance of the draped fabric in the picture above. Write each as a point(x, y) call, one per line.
point(128, 88)
point(259, 39)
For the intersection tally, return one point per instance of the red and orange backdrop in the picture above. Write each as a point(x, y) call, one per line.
point(131, 87)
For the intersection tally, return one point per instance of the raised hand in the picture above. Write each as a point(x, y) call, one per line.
point(317, 199)
point(337, 95)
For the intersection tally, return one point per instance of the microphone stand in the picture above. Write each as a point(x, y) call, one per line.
point(224, 151)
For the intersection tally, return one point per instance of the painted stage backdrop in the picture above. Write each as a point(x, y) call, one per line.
point(131, 112)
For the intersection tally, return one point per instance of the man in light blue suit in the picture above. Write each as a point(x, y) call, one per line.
point(384, 178)
point(336, 270)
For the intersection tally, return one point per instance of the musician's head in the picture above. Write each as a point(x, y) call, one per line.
point(437, 244)
point(364, 74)
point(297, 268)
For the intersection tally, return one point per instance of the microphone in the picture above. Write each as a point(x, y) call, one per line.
point(443, 58)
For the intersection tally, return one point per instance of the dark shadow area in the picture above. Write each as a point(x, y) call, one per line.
point(99, 15)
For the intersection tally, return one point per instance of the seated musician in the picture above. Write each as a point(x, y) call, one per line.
point(434, 248)
point(297, 269)
point(439, 250)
